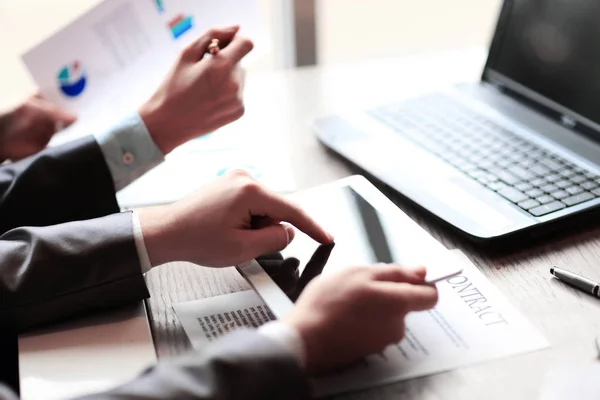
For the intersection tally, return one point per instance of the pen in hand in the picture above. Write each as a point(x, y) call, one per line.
point(577, 281)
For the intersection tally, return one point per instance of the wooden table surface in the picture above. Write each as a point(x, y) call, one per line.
point(286, 102)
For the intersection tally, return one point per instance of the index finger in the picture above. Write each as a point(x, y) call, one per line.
point(237, 49)
point(409, 297)
point(398, 273)
point(282, 209)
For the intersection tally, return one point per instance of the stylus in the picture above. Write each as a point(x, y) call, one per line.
point(443, 277)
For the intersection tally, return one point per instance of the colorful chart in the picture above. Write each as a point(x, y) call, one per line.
point(180, 25)
point(72, 79)
point(160, 5)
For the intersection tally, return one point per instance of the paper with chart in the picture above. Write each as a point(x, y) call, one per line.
point(473, 322)
point(106, 63)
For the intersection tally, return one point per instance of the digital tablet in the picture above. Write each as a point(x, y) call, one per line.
point(368, 229)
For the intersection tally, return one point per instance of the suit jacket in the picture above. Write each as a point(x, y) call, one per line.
point(242, 366)
point(60, 184)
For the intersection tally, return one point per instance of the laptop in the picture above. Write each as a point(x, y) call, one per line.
point(517, 152)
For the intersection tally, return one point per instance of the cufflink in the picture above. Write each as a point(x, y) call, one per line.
point(128, 158)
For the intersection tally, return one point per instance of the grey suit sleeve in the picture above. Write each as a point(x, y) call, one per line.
point(243, 365)
point(60, 271)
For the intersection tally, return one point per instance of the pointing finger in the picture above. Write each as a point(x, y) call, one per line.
point(409, 297)
point(397, 273)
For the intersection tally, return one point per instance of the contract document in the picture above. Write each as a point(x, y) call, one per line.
point(104, 65)
point(472, 322)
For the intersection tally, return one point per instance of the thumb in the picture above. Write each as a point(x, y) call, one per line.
point(270, 239)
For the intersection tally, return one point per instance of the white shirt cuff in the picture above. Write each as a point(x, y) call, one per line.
point(140, 246)
point(287, 336)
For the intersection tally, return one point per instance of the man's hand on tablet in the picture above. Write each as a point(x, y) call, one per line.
point(213, 226)
point(357, 311)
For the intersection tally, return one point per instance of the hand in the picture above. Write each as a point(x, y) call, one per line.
point(213, 227)
point(27, 129)
point(357, 311)
point(200, 94)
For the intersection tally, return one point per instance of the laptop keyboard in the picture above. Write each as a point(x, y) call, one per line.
point(531, 177)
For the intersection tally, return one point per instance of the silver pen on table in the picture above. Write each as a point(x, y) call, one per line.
point(584, 284)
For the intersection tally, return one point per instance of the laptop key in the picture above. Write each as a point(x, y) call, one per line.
point(523, 186)
point(505, 176)
point(535, 193)
point(560, 194)
point(574, 190)
point(589, 185)
point(553, 178)
point(566, 172)
point(522, 173)
point(495, 185)
point(580, 198)
point(545, 199)
point(512, 194)
point(539, 182)
point(563, 184)
point(546, 208)
point(539, 169)
point(577, 178)
point(549, 188)
point(528, 204)
point(596, 192)
point(550, 163)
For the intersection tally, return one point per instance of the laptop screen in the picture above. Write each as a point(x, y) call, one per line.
point(549, 51)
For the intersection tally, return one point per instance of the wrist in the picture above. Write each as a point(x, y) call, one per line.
point(154, 120)
point(288, 337)
point(155, 231)
point(307, 329)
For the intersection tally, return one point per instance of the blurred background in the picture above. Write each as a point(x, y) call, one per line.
point(347, 30)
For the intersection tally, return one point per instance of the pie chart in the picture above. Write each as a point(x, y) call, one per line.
point(71, 79)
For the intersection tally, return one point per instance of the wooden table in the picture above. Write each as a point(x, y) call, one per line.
point(287, 102)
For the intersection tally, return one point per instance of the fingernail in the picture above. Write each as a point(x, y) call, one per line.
point(330, 236)
point(289, 233)
point(418, 270)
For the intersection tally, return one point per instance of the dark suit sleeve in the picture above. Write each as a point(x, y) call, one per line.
point(243, 365)
point(67, 183)
point(52, 273)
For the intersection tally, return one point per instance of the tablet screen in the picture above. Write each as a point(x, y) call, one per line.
point(363, 235)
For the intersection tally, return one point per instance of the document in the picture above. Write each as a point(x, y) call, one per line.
point(472, 323)
point(208, 319)
point(106, 63)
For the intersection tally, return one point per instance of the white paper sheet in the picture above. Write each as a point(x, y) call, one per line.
point(472, 323)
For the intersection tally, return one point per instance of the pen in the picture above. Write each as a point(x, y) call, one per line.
point(578, 281)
